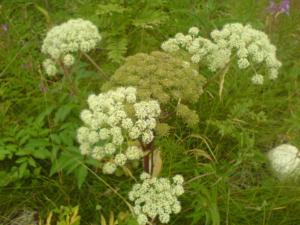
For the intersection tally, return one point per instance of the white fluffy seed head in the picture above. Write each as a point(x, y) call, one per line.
point(285, 161)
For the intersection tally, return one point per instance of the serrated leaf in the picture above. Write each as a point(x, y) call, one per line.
point(109, 9)
point(150, 19)
point(41, 153)
point(117, 48)
point(81, 174)
point(62, 113)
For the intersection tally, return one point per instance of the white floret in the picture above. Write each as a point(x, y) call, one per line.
point(257, 79)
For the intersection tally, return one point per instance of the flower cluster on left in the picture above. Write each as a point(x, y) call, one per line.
point(62, 42)
point(116, 127)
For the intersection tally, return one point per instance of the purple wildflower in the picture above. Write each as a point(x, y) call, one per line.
point(277, 8)
point(284, 6)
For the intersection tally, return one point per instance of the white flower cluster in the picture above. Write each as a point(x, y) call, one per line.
point(108, 126)
point(156, 197)
point(66, 39)
point(285, 161)
point(248, 45)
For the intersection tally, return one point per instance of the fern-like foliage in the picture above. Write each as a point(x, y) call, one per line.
point(127, 26)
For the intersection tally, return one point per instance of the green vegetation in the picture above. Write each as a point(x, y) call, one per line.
point(45, 179)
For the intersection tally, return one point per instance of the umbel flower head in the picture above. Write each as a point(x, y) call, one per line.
point(285, 162)
point(114, 124)
point(156, 197)
point(173, 82)
point(62, 42)
point(250, 48)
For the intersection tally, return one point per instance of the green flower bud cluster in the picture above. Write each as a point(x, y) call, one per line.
point(160, 76)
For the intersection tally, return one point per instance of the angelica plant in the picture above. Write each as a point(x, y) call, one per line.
point(158, 75)
point(63, 43)
point(248, 47)
point(117, 127)
point(156, 198)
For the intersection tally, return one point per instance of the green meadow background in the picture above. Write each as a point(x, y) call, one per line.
point(228, 180)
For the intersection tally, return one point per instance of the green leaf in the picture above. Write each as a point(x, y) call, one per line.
point(41, 153)
point(62, 113)
point(117, 47)
point(81, 174)
point(150, 19)
point(68, 161)
point(23, 169)
point(109, 9)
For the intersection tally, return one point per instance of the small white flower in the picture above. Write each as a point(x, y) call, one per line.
point(85, 148)
point(178, 179)
point(134, 153)
point(170, 46)
point(147, 136)
point(257, 79)
point(243, 63)
point(194, 31)
point(98, 153)
point(93, 137)
point(120, 159)
point(86, 116)
point(49, 67)
point(109, 168)
point(104, 134)
point(127, 123)
point(144, 176)
point(69, 60)
point(142, 219)
point(109, 149)
point(134, 133)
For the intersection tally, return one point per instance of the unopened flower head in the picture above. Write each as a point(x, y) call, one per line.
point(161, 76)
point(156, 198)
point(285, 161)
point(108, 125)
point(62, 42)
point(249, 46)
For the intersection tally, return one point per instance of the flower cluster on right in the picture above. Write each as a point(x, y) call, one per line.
point(156, 197)
point(249, 46)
